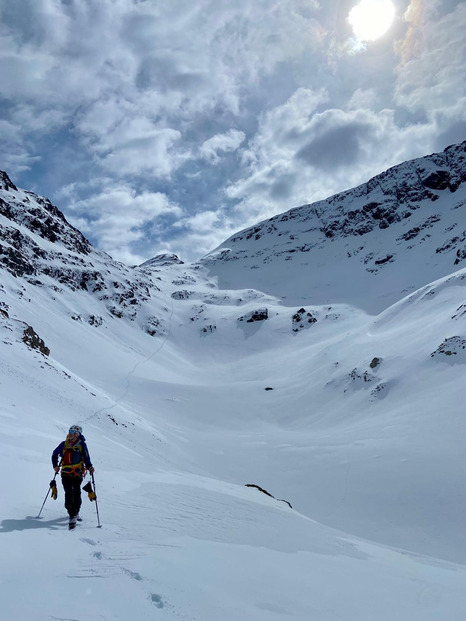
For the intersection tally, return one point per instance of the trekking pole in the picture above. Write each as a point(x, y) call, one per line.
point(52, 486)
point(99, 525)
point(90, 489)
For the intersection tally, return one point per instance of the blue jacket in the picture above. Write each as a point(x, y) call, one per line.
point(76, 455)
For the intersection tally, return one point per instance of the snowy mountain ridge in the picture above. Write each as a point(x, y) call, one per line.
point(408, 223)
point(188, 392)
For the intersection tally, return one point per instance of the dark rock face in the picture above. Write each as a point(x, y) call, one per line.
point(6, 183)
point(437, 180)
point(42, 218)
point(13, 254)
point(33, 340)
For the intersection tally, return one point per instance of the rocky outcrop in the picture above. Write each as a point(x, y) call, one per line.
point(460, 311)
point(210, 329)
point(267, 493)
point(397, 194)
point(262, 314)
point(6, 183)
point(39, 216)
point(182, 294)
point(154, 327)
point(412, 213)
point(39, 245)
point(162, 260)
point(302, 319)
point(33, 340)
point(453, 346)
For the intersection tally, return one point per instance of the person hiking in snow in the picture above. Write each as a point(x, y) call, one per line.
point(75, 460)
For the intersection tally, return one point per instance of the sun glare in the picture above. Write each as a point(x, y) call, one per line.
point(370, 19)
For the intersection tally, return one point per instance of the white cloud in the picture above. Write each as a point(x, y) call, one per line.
point(118, 215)
point(221, 143)
point(201, 233)
point(433, 77)
point(138, 146)
point(125, 97)
point(129, 77)
point(301, 154)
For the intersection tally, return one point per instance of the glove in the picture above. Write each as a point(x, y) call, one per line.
point(53, 487)
point(90, 492)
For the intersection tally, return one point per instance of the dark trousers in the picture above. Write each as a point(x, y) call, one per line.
point(72, 487)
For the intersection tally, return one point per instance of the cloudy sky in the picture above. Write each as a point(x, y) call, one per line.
point(168, 125)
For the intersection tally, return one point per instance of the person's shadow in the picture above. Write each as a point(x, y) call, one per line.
point(30, 522)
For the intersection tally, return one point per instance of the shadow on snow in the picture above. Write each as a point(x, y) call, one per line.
point(30, 522)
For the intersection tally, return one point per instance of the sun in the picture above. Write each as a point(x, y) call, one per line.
point(370, 19)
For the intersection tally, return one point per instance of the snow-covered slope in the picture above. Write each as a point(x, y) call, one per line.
point(187, 393)
point(369, 246)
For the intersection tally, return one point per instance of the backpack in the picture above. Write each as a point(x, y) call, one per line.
point(72, 459)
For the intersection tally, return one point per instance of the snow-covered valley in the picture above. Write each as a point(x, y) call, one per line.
point(352, 413)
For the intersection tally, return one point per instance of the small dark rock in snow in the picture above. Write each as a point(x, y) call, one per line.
point(208, 329)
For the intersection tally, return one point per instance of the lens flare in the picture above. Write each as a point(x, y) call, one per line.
point(370, 19)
